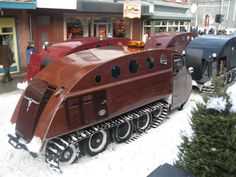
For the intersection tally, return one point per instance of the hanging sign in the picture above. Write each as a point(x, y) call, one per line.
point(132, 10)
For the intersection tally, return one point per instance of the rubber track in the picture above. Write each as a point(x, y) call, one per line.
point(56, 146)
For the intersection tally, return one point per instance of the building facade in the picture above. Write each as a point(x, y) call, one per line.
point(55, 21)
point(14, 25)
point(205, 12)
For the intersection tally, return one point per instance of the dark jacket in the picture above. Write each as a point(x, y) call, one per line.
point(6, 55)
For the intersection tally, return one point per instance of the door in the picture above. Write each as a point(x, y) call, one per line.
point(86, 109)
point(101, 30)
point(44, 31)
point(8, 32)
point(33, 102)
point(182, 82)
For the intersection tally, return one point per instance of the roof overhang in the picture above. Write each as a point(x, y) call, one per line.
point(105, 7)
point(170, 5)
point(170, 16)
point(20, 4)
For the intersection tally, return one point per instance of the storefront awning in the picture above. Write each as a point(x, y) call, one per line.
point(104, 7)
point(170, 16)
point(18, 4)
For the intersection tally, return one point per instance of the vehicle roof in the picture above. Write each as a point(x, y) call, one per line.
point(64, 47)
point(164, 39)
point(74, 42)
point(82, 61)
point(211, 43)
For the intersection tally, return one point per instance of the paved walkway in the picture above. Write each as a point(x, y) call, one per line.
point(12, 85)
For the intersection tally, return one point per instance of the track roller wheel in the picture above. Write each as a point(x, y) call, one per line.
point(122, 132)
point(156, 114)
point(97, 142)
point(69, 155)
point(143, 122)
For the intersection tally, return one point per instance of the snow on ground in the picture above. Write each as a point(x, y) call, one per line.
point(138, 158)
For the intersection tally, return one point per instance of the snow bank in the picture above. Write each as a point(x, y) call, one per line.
point(232, 93)
point(216, 103)
point(22, 85)
point(219, 103)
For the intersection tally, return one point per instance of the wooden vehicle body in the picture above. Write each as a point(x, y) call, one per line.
point(212, 55)
point(79, 100)
point(170, 40)
point(57, 50)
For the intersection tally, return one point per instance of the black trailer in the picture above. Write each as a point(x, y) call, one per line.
point(211, 55)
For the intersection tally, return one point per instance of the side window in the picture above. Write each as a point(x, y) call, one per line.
point(45, 62)
point(149, 62)
point(178, 64)
point(98, 78)
point(178, 61)
point(163, 60)
point(133, 66)
point(115, 71)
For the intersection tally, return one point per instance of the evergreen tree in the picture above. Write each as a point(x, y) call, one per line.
point(211, 151)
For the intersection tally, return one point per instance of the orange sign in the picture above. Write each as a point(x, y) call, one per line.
point(132, 10)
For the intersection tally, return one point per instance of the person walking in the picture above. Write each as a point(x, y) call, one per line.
point(30, 49)
point(6, 59)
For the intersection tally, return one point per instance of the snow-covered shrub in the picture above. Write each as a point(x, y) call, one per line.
point(211, 151)
point(219, 99)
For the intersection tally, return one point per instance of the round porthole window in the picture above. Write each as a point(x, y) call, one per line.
point(98, 78)
point(115, 71)
point(163, 60)
point(133, 66)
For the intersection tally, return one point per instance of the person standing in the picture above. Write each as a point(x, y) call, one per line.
point(29, 51)
point(6, 59)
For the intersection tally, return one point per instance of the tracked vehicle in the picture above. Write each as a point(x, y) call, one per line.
point(171, 40)
point(211, 55)
point(57, 50)
point(78, 104)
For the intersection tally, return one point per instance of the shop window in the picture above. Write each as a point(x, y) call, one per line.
point(146, 29)
point(170, 22)
point(164, 22)
point(147, 22)
point(78, 27)
point(160, 29)
point(182, 28)
point(133, 66)
point(173, 29)
point(157, 22)
point(121, 27)
point(7, 30)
